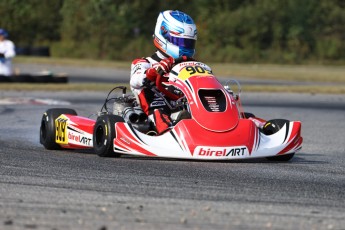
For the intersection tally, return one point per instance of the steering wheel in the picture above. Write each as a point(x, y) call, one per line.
point(159, 79)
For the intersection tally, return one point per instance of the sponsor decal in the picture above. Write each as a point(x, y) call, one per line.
point(194, 70)
point(157, 103)
point(136, 68)
point(61, 130)
point(233, 152)
point(183, 64)
point(79, 139)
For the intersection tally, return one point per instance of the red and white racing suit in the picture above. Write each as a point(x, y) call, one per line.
point(151, 103)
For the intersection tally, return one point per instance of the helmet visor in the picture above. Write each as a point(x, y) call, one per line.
point(182, 42)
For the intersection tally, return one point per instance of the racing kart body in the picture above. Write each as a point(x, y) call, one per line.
point(209, 124)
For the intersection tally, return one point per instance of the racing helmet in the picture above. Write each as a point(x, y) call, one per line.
point(175, 34)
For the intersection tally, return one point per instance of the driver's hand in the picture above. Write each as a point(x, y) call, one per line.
point(151, 76)
point(165, 65)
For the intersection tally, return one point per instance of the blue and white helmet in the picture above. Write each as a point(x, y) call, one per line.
point(175, 34)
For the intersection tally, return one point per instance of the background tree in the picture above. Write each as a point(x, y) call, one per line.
point(279, 31)
point(31, 22)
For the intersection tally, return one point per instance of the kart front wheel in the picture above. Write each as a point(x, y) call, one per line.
point(48, 129)
point(271, 127)
point(104, 134)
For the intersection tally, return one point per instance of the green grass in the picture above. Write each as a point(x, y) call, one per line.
point(299, 73)
point(336, 89)
point(59, 87)
point(311, 89)
point(72, 62)
point(302, 73)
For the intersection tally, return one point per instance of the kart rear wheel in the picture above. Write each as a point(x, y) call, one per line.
point(104, 134)
point(47, 129)
point(271, 127)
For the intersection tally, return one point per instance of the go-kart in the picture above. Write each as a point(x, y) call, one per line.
point(208, 123)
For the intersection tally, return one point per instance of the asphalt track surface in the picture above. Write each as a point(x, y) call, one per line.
point(41, 189)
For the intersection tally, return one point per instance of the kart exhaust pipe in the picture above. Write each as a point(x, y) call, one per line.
point(130, 115)
point(128, 112)
point(134, 115)
point(142, 115)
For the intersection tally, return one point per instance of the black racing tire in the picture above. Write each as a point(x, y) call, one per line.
point(27, 78)
point(5, 78)
point(47, 129)
point(60, 79)
point(104, 134)
point(46, 78)
point(271, 127)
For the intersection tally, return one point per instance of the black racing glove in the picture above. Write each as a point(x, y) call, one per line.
point(148, 84)
point(2, 55)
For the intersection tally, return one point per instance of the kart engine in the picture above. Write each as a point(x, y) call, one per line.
point(126, 107)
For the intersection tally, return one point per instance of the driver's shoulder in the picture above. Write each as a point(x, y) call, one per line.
point(140, 61)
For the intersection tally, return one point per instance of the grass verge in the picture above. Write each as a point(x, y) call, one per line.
point(312, 89)
point(303, 73)
point(59, 87)
point(300, 73)
point(72, 62)
point(296, 73)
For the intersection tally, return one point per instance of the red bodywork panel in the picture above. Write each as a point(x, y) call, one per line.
point(194, 135)
point(79, 132)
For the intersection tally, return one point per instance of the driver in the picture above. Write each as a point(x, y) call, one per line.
point(175, 36)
